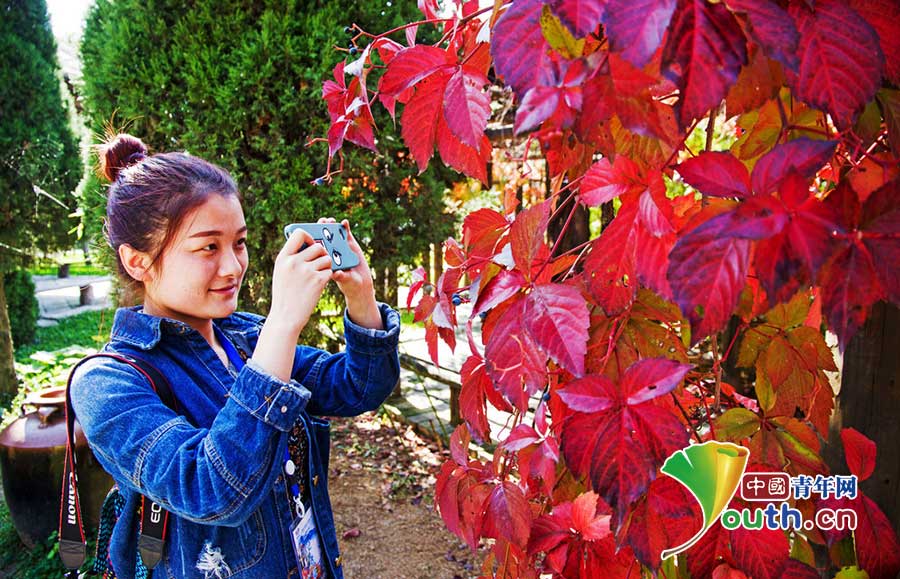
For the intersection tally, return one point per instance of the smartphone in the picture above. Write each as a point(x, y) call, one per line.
point(333, 237)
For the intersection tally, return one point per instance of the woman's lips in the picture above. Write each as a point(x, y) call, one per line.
point(225, 290)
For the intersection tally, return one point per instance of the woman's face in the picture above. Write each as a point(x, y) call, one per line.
point(199, 274)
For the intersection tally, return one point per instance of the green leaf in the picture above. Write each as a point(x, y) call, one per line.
point(736, 424)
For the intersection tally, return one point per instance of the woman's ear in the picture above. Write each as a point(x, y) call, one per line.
point(137, 263)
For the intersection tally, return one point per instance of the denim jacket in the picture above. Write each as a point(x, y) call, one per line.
point(217, 465)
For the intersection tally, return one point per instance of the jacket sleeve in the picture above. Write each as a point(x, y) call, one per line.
point(218, 475)
point(358, 379)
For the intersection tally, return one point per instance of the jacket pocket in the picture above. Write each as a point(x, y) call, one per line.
point(214, 552)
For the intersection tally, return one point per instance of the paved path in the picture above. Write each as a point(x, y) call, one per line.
point(62, 297)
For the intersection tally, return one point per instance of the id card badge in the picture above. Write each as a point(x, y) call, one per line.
point(307, 549)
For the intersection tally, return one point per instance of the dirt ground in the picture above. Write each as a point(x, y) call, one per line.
point(382, 487)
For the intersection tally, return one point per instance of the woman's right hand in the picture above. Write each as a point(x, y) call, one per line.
point(298, 280)
point(297, 283)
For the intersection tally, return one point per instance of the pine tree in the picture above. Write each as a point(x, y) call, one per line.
point(39, 158)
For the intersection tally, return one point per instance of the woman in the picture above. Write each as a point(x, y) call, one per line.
point(242, 467)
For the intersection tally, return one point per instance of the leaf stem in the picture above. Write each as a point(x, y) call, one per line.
point(559, 237)
point(684, 139)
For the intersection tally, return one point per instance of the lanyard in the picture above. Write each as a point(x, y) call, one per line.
point(229, 348)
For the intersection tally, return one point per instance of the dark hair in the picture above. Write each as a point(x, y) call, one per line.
point(150, 195)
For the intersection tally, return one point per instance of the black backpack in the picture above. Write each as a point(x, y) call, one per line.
point(72, 543)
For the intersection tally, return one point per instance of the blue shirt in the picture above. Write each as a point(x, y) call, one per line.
point(217, 466)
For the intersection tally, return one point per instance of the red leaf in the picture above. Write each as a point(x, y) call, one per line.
point(538, 105)
point(518, 45)
point(881, 14)
point(611, 263)
point(651, 261)
point(514, 359)
point(794, 569)
point(413, 65)
point(543, 102)
point(604, 181)
point(880, 221)
point(463, 158)
point(419, 122)
point(348, 107)
point(503, 286)
point(864, 268)
point(520, 437)
point(859, 452)
point(446, 494)
point(667, 516)
point(726, 572)
point(581, 17)
point(710, 551)
point(429, 8)
point(707, 271)
point(788, 261)
point(537, 456)
point(557, 318)
point(424, 308)
point(802, 156)
point(841, 62)
point(650, 378)
point(459, 445)
point(466, 106)
point(877, 548)
point(472, 499)
point(760, 553)
point(655, 209)
point(703, 55)
point(527, 236)
point(718, 173)
point(578, 542)
point(772, 28)
point(481, 230)
point(508, 515)
point(633, 91)
point(636, 27)
point(477, 387)
point(618, 436)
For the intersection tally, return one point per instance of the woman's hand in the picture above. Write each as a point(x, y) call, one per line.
point(299, 279)
point(357, 286)
point(297, 283)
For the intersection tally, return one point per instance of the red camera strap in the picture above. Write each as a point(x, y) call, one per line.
point(154, 519)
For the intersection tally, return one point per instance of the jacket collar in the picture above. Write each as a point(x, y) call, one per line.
point(132, 326)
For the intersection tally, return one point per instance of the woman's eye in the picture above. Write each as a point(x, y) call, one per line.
point(210, 247)
point(242, 241)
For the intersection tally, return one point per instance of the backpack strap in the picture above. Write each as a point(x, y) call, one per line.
point(72, 543)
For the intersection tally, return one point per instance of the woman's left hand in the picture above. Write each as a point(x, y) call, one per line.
point(357, 286)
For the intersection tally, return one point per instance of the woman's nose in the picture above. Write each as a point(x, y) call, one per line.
point(231, 265)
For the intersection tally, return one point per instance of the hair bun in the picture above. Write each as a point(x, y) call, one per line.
point(118, 153)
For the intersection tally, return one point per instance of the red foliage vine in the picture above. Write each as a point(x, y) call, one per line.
point(797, 220)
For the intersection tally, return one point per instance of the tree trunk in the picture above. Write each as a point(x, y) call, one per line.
point(869, 401)
point(437, 253)
point(388, 286)
point(9, 383)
